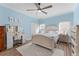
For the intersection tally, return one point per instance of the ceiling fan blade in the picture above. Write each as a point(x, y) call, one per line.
point(43, 12)
point(47, 7)
point(31, 9)
point(38, 6)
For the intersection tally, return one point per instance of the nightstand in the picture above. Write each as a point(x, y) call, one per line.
point(17, 41)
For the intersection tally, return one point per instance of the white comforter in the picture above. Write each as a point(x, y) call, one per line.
point(51, 35)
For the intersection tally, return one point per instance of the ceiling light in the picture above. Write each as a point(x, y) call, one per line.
point(39, 11)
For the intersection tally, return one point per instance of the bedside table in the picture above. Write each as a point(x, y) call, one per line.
point(17, 41)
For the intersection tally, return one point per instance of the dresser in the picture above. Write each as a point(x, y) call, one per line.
point(2, 38)
point(75, 41)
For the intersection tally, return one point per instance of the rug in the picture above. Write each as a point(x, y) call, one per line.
point(35, 50)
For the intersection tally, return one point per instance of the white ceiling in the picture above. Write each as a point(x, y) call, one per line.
point(58, 8)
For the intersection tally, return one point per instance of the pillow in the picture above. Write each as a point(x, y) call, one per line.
point(51, 28)
point(53, 32)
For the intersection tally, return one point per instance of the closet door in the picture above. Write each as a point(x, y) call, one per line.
point(2, 37)
point(34, 28)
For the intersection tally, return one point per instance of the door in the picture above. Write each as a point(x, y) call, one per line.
point(2, 37)
point(34, 28)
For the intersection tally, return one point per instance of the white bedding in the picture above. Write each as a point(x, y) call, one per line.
point(51, 35)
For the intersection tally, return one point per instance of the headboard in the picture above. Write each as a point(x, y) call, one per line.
point(51, 28)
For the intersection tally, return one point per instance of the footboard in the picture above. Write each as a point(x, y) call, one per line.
point(43, 41)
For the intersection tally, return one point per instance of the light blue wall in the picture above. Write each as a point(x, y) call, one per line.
point(76, 15)
point(26, 20)
point(54, 20)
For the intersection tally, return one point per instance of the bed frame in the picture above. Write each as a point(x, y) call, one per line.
point(43, 41)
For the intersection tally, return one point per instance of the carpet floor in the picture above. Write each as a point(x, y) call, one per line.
point(36, 50)
point(29, 49)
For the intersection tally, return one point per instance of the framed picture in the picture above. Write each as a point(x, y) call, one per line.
point(11, 20)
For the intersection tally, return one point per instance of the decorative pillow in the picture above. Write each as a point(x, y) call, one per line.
point(51, 28)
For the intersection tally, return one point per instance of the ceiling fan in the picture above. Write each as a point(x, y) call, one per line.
point(39, 9)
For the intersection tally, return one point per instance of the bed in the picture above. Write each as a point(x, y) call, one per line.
point(51, 37)
point(47, 40)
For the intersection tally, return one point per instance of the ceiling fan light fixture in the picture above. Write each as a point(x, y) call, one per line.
point(39, 11)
